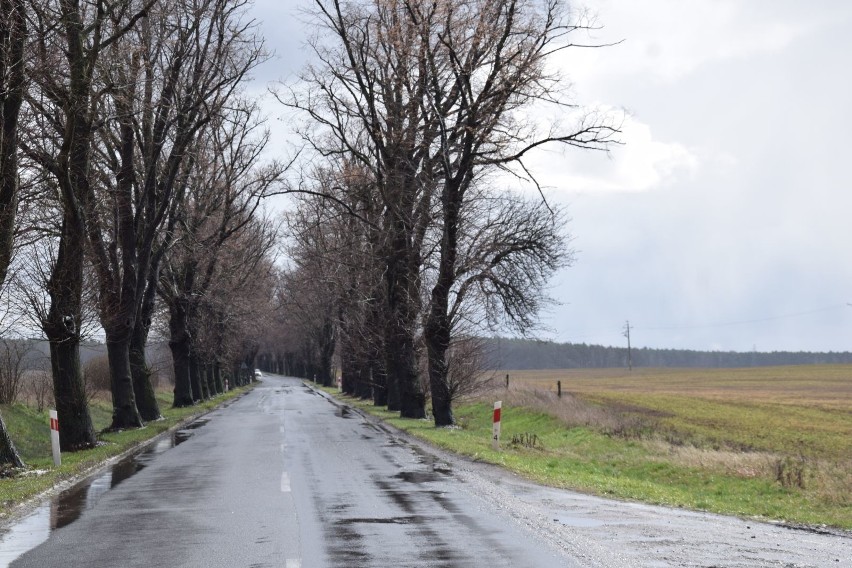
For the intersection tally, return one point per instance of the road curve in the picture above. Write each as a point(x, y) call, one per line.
point(287, 477)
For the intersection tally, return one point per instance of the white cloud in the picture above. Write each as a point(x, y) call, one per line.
point(641, 164)
point(667, 39)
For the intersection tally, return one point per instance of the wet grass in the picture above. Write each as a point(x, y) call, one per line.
point(768, 443)
point(31, 433)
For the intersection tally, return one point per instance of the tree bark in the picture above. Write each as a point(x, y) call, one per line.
point(404, 391)
point(199, 387)
point(124, 412)
point(13, 33)
point(143, 390)
point(8, 453)
point(326, 352)
point(62, 330)
point(217, 377)
point(380, 389)
point(180, 348)
point(437, 330)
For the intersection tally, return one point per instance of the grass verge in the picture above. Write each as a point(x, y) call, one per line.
point(31, 433)
point(647, 469)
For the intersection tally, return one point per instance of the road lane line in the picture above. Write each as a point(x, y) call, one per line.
point(293, 563)
point(285, 483)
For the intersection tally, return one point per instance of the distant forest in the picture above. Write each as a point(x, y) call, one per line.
point(518, 354)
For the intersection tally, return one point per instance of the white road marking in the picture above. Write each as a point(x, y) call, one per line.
point(293, 563)
point(285, 483)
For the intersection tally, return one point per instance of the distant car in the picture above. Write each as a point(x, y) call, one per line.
point(258, 374)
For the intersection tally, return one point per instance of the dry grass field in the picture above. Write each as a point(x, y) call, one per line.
point(772, 443)
point(804, 410)
point(828, 387)
point(791, 425)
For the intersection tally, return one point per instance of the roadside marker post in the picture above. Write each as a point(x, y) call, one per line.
point(54, 438)
point(495, 429)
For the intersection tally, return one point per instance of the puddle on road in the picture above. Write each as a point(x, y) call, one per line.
point(68, 505)
point(417, 477)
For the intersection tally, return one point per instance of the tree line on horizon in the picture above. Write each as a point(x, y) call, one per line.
point(529, 354)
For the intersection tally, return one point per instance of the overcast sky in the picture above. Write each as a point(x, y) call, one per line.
point(724, 220)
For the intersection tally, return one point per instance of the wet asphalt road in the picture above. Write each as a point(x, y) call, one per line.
point(285, 477)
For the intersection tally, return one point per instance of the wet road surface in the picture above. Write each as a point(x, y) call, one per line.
point(285, 477)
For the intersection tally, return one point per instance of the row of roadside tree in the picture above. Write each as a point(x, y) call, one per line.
point(133, 180)
point(131, 194)
point(407, 241)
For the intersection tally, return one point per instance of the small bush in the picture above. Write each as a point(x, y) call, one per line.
point(527, 440)
point(790, 471)
point(96, 377)
point(39, 389)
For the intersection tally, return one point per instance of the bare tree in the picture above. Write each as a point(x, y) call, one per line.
point(224, 192)
point(13, 38)
point(485, 62)
point(427, 97)
point(367, 100)
point(69, 41)
point(335, 255)
point(13, 356)
point(193, 57)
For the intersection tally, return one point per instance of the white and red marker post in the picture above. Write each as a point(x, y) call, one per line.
point(495, 429)
point(54, 438)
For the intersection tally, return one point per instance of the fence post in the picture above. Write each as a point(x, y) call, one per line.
point(507, 381)
point(559, 389)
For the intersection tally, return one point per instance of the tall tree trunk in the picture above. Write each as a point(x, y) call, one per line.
point(199, 387)
point(13, 35)
point(326, 353)
point(380, 384)
point(62, 327)
point(8, 453)
point(364, 385)
point(217, 377)
point(211, 382)
point(402, 298)
point(436, 332)
point(143, 390)
point(180, 348)
point(347, 366)
point(124, 412)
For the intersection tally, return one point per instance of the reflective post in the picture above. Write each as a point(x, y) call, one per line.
point(54, 438)
point(495, 429)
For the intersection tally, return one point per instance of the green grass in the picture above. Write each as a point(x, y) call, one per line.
point(747, 425)
point(696, 476)
point(30, 432)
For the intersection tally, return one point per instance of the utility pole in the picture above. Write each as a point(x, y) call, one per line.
point(629, 354)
